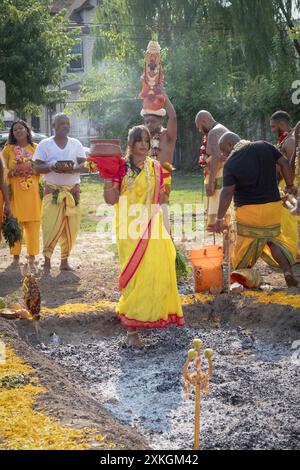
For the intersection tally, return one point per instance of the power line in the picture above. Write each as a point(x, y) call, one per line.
point(214, 26)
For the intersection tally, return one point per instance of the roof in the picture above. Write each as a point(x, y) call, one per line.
point(59, 5)
point(73, 7)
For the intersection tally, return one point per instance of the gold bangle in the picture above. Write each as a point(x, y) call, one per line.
point(110, 189)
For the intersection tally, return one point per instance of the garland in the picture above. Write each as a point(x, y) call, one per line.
point(41, 189)
point(281, 139)
point(155, 145)
point(21, 156)
point(91, 167)
point(239, 146)
point(203, 155)
point(132, 174)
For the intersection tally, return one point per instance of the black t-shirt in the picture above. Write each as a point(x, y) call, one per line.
point(253, 171)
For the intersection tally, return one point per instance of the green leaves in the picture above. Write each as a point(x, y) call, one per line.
point(11, 230)
point(34, 51)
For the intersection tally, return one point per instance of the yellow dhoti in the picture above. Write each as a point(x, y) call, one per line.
point(147, 256)
point(60, 220)
point(258, 225)
point(213, 201)
point(289, 226)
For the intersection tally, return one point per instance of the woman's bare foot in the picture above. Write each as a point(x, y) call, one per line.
point(290, 280)
point(64, 265)
point(134, 339)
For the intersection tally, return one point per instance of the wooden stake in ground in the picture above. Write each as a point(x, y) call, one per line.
point(198, 379)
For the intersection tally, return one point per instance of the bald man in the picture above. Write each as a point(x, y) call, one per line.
point(61, 209)
point(214, 162)
point(250, 178)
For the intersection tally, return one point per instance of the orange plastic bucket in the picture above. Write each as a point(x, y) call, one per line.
point(207, 264)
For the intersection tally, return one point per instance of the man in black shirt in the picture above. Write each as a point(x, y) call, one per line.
point(250, 179)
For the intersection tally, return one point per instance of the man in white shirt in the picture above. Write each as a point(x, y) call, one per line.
point(61, 160)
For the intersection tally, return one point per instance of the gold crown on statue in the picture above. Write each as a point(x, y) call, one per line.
point(153, 48)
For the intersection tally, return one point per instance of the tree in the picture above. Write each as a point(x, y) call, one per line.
point(232, 57)
point(34, 52)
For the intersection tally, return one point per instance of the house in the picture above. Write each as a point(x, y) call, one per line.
point(80, 14)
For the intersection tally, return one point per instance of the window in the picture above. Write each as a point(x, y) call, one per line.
point(76, 63)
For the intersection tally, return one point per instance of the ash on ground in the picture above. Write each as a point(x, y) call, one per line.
point(254, 391)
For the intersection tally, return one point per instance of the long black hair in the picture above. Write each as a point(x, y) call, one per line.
point(11, 138)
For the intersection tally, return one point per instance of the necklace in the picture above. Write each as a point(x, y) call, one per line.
point(155, 145)
point(282, 138)
point(131, 180)
point(203, 155)
point(23, 157)
point(239, 146)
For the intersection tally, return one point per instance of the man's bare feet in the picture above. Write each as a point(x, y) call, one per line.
point(64, 265)
point(47, 265)
point(134, 339)
point(31, 261)
point(290, 280)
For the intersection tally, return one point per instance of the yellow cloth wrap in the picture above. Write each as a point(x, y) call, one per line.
point(60, 221)
point(150, 299)
point(297, 183)
point(257, 225)
point(213, 201)
point(249, 278)
point(289, 225)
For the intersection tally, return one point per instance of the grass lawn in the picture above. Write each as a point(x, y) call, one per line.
point(186, 189)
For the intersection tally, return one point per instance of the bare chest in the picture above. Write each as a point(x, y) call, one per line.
point(162, 148)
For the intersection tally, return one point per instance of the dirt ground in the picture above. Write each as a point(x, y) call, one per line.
point(135, 398)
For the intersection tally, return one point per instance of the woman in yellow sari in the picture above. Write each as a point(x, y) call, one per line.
point(4, 199)
point(26, 202)
point(147, 254)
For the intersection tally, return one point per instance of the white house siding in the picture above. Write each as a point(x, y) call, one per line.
point(80, 126)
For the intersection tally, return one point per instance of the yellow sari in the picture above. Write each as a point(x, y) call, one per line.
point(289, 225)
point(147, 254)
point(257, 225)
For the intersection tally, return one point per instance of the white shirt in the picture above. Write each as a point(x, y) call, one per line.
point(48, 152)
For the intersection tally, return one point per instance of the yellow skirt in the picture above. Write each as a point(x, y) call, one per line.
point(149, 294)
point(151, 298)
point(257, 225)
